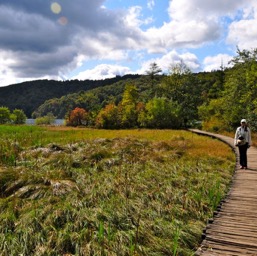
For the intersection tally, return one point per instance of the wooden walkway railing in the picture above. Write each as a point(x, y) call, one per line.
point(233, 229)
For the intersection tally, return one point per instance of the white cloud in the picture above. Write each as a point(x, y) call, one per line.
point(184, 10)
point(39, 45)
point(243, 32)
point(103, 71)
point(192, 23)
point(7, 76)
point(132, 18)
point(150, 4)
point(216, 62)
point(170, 59)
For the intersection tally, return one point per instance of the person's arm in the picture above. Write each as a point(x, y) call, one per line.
point(249, 138)
point(235, 139)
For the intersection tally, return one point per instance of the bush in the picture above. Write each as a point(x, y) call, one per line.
point(48, 119)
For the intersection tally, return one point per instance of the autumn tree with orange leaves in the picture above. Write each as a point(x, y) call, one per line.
point(78, 116)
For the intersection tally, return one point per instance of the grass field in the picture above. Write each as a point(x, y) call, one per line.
point(85, 192)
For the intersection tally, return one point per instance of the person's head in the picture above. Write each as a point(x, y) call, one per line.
point(243, 122)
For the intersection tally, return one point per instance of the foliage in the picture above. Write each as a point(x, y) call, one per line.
point(156, 113)
point(153, 71)
point(212, 114)
point(118, 195)
point(77, 117)
point(5, 115)
point(128, 106)
point(18, 116)
point(217, 100)
point(182, 88)
point(48, 119)
point(93, 100)
point(160, 113)
point(238, 98)
point(15, 117)
point(28, 96)
point(108, 118)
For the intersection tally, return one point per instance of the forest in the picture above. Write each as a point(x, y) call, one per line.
point(214, 101)
point(31, 94)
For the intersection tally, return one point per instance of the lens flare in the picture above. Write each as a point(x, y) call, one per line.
point(63, 21)
point(56, 8)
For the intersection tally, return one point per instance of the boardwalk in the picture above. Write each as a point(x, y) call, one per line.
point(233, 230)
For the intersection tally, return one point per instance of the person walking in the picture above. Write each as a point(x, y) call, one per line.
point(243, 142)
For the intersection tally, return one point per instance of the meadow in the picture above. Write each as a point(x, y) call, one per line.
point(79, 191)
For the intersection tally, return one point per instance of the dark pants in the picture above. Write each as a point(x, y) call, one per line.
point(243, 155)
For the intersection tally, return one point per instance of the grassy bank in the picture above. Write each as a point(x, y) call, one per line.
point(101, 192)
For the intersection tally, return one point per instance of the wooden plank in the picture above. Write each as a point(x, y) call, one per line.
point(234, 227)
point(246, 236)
point(228, 250)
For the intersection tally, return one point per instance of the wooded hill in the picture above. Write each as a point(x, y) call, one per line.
point(181, 93)
point(28, 96)
point(219, 99)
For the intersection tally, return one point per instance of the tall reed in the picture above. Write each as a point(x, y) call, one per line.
point(85, 192)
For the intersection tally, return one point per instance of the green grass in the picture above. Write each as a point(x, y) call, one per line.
point(105, 192)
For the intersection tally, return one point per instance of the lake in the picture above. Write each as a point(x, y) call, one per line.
point(57, 122)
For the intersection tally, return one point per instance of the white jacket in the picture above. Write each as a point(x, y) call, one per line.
point(240, 131)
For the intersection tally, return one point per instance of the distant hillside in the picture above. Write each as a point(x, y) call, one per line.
point(95, 99)
point(28, 96)
point(203, 86)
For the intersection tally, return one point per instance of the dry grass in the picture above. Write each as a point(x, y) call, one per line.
point(105, 192)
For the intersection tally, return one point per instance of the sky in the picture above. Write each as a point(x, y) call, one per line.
point(98, 39)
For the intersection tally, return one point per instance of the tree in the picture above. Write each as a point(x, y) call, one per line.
point(153, 71)
point(5, 115)
point(240, 90)
point(18, 116)
point(181, 87)
point(244, 57)
point(212, 115)
point(127, 107)
point(160, 113)
point(46, 120)
point(238, 97)
point(108, 118)
point(77, 116)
